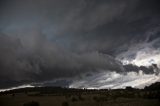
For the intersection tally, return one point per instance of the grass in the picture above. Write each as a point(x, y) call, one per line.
point(86, 99)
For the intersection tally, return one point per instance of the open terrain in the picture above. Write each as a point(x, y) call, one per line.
point(56, 96)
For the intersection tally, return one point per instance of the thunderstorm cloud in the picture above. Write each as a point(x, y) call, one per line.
point(44, 42)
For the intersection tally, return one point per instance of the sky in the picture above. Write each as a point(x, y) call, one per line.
point(79, 43)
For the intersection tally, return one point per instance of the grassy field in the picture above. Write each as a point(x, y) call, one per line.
point(83, 99)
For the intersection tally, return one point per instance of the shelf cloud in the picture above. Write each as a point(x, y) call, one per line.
point(45, 40)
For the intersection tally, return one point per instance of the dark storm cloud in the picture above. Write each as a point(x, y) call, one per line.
point(147, 70)
point(47, 39)
point(36, 62)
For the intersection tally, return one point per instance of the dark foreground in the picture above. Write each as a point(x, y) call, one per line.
point(55, 96)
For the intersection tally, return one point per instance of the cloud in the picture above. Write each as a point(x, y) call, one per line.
point(42, 40)
point(152, 69)
point(113, 80)
point(41, 60)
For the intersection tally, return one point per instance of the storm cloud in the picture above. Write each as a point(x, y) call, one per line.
point(42, 40)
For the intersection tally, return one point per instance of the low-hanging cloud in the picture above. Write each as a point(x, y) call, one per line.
point(44, 40)
point(23, 62)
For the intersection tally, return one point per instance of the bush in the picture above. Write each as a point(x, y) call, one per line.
point(74, 99)
point(80, 98)
point(100, 99)
point(65, 104)
point(32, 103)
point(95, 98)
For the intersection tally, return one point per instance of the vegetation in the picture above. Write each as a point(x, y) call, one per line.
point(32, 103)
point(56, 96)
point(65, 104)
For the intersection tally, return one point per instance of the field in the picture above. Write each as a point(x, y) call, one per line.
point(65, 97)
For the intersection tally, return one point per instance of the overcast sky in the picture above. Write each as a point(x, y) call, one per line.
point(46, 40)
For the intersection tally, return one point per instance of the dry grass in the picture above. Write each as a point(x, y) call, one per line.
point(83, 100)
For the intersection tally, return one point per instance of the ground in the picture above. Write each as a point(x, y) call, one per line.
point(93, 98)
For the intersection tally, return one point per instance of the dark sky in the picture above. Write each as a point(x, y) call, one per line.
point(43, 40)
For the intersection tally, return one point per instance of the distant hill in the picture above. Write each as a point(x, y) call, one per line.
point(46, 90)
point(154, 86)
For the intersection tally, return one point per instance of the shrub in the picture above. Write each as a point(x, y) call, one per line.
point(65, 104)
point(32, 103)
point(80, 98)
point(95, 98)
point(100, 99)
point(74, 99)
